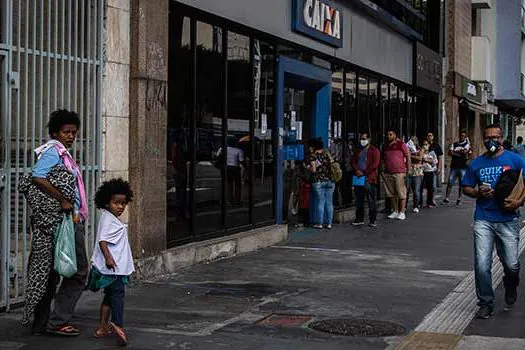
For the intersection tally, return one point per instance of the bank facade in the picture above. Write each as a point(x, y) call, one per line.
point(266, 77)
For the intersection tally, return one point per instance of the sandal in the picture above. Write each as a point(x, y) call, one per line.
point(102, 332)
point(65, 331)
point(123, 339)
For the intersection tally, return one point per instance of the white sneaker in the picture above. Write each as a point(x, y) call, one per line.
point(415, 210)
point(394, 215)
point(402, 216)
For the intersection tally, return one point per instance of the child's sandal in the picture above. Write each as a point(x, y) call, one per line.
point(102, 332)
point(122, 337)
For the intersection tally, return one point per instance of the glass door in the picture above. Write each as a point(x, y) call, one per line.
point(296, 126)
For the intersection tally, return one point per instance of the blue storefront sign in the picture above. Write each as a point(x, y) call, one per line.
point(319, 19)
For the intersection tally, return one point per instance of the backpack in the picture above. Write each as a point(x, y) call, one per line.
point(509, 185)
point(336, 174)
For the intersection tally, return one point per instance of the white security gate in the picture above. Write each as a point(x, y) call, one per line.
point(51, 57)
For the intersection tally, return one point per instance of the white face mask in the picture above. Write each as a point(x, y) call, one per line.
point(364, 143)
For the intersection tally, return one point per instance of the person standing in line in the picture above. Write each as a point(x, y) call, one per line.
point(366, 163)
point(396, 164)
point(322, 186)
point(460, 152)
point(494, 224)
point(430, 162)
point(415, 173)
point(436, 148)
point(520, 147)
point(53, 161)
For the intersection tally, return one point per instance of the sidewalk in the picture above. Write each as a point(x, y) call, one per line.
point(396, 272)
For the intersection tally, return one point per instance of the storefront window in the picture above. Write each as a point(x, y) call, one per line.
point(178, 136)
point(209, 114)
point(264, 117)
point(394, 109)
point(375, 131)
point(404, 133)
point(385, 108)
point(350, 134)
point(239, 108)
point(336, 139)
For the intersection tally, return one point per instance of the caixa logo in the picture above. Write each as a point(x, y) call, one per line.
point(319, 19)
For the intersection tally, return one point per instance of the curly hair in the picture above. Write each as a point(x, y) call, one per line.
point(111, 188)
point(60, 118)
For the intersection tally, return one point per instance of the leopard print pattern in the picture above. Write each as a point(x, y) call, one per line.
point(46, 215)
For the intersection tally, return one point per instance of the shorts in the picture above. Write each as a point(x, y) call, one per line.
point(456, 174)
point(395, 185)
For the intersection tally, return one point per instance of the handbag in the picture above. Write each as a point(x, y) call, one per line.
point(65, 262)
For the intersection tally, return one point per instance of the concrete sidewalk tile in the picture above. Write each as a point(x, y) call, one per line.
point(490, 343)
point(429, 341)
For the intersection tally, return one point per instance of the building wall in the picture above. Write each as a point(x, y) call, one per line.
point(507, 48)
point(458, 53)
point(115, 122)
point(459, 36)
point(366, 43)
point(116, 90)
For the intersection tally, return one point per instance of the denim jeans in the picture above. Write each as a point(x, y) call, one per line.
point(414, 187)
point(506, 237)
point(114, 298)
point(368, 191)
point(323, 193)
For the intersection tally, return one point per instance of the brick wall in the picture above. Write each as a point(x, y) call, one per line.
point(459, 30)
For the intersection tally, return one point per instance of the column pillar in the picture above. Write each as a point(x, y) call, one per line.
point(148, 124)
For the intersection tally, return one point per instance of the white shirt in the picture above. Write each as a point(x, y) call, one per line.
point(115, 232)
point(235, 156)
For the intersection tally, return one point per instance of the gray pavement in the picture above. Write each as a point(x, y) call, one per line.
point(397, 272)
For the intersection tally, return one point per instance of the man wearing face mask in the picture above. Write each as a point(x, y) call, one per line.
point(366, 163)
point(493, 224)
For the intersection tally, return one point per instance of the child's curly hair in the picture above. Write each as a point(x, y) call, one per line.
point(110, 188)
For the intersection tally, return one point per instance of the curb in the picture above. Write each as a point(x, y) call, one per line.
point(174, 259)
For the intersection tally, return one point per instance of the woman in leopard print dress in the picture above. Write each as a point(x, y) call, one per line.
point(46, 215)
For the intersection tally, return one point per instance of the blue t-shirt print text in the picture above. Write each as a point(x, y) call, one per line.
point(485, 169)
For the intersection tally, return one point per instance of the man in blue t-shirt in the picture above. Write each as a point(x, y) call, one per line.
point(493, 224)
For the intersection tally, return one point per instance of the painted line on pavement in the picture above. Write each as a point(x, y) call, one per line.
point(456, 311)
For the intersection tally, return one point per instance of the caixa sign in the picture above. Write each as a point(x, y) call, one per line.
point(319, 19)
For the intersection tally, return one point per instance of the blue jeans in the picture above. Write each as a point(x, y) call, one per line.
point(114, 298)
point(323, 193)
point(414, 186)
point(506, 237)
point(456, 174)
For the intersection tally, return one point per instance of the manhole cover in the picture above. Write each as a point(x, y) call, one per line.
point(358, 327)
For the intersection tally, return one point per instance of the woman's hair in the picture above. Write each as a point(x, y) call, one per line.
point(318, 143)
point(60, 118)
point(111, 188)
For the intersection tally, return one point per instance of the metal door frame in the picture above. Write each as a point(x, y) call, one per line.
point(4, 179)
point(54, 63)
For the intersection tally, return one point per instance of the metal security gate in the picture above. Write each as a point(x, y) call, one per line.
point(51, 57)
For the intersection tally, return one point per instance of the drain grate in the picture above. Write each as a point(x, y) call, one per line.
point(285, 320)
point(358, 327)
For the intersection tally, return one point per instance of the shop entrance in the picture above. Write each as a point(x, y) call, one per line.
point(303, 110)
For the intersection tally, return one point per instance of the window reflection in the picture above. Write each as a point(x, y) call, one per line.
point(209, 112)
point(263, 163)
point(178, 136)
point(336, 141)
point(239, 156)
point(350, 135)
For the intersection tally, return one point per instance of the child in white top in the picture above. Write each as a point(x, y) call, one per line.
point(112, 261)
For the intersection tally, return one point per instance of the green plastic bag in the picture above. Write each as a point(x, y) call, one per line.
point(65, 251)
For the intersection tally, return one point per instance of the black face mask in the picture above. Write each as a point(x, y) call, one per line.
point(492, 146)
